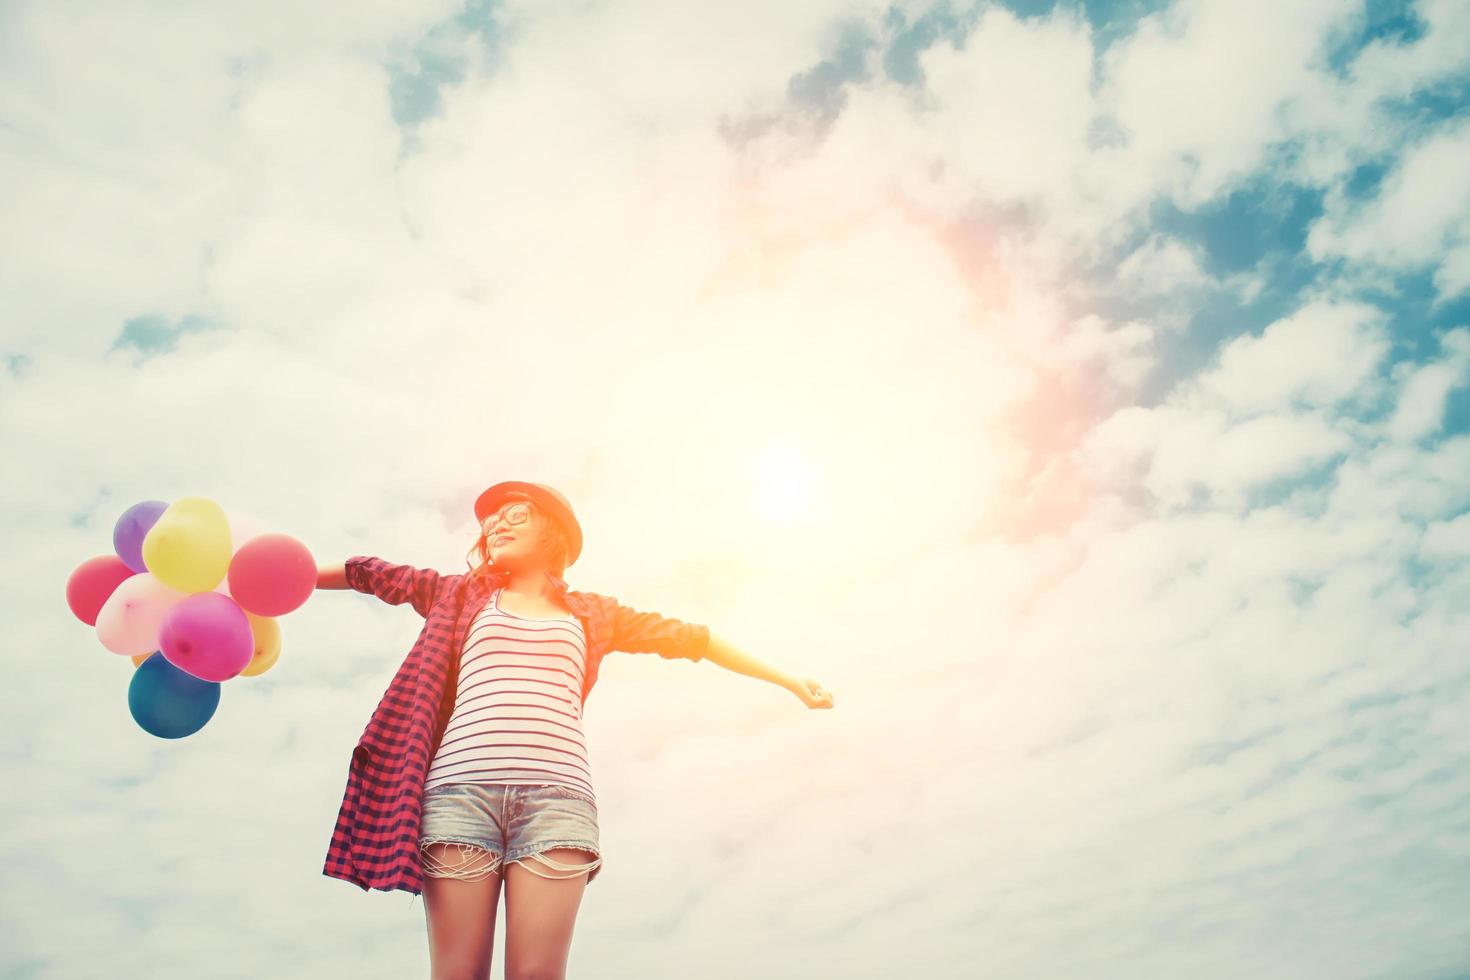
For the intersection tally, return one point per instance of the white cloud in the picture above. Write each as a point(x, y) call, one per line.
point(1318, 356)
point(126, 161)
point(1196, 116)
point(1452, 278)
point(1447, 541)
point(1421, 213)
point(1161, 265)
point(1190, 457)
point(1419, 410)
point(1125, 351)
point(1012, 105)
point(1341, 120)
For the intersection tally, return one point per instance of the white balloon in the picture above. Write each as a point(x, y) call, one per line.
point(243, 527)
point(129, 620)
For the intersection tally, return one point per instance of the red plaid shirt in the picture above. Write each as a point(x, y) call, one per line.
point(375, 841)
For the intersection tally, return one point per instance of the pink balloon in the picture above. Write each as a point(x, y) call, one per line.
point(128, 621)
point(207, 635)
point(272, 574)
point(92, 584)
point(243, 527)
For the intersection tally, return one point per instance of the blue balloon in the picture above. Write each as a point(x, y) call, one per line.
point(130, 530)
point(169, 702)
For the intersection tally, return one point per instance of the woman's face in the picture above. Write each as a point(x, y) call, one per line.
point(513, 544)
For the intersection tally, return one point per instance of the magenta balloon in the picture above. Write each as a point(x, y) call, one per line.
point(92, 584)
point(130, 530)
point(207, 635)
point(272, 574)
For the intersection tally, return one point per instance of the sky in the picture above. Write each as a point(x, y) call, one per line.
point(1077, 390)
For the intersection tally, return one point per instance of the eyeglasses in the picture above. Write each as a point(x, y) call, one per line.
point(515, 513)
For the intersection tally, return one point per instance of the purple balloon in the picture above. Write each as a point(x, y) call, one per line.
point(130, 530)
point(208, 635)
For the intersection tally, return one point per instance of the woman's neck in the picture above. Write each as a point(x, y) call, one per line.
point(533, 584)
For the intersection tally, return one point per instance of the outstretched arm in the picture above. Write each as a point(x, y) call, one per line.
point(731, 657)
point(333, 576)
point(643, 632)
point(393, 583)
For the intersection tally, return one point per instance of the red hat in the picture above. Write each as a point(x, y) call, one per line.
point(551, 501)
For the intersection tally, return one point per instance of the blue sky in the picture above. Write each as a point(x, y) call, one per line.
point(1079, 391)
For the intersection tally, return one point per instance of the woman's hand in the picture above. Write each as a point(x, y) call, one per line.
point(812, 694)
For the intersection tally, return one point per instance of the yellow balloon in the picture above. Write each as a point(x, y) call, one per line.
point(138, 660)
point(267, 631)
point(188, 547)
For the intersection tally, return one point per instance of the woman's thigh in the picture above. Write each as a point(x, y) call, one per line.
point(460, 912)
point(461, 844)
point(552, 854)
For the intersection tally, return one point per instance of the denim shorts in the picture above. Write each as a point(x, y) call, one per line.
point(511, 822)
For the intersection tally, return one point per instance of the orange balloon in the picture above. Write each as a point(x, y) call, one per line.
point(267, 632)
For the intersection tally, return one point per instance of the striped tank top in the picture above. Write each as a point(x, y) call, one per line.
point(517, 715)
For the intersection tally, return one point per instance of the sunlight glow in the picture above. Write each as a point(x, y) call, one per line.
point(784, 478)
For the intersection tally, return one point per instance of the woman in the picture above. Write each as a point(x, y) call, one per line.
point(473, 769)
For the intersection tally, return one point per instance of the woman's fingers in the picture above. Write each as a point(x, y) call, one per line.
point(814, 695)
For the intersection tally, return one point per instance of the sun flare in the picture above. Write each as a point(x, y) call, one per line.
point(784, 480)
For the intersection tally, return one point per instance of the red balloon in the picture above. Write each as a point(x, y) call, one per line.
point(272, 574)
point(92, 584)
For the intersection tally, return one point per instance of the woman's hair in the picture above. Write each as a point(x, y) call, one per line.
point(553, 540)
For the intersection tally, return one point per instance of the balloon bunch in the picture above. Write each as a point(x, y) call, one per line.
point(190, 594)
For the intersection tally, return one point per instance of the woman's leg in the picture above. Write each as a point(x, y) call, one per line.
point(541, 902)
point(461, 892)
